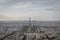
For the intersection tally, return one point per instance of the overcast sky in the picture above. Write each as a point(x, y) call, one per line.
point(36, 9)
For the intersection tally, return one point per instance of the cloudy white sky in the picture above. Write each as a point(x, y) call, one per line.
point(36, 9)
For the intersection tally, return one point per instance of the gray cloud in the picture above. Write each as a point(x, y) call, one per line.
point(55, 12)
point(41, 9)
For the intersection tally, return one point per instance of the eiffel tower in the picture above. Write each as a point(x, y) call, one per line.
point(30, 22)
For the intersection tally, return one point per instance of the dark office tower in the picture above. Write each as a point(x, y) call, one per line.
point(30, 22)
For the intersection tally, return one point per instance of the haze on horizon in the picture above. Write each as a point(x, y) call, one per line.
point(46, 10)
